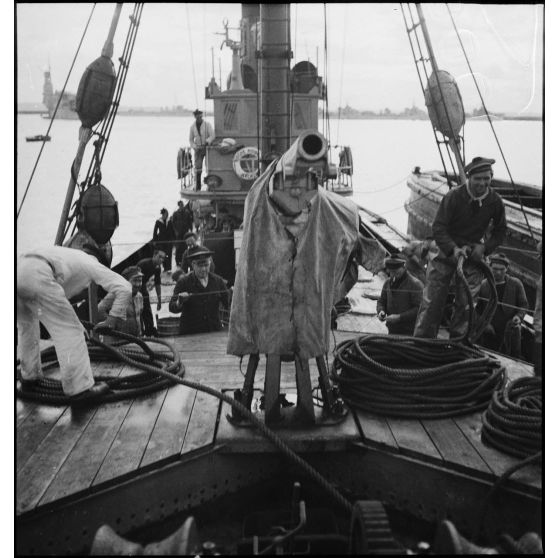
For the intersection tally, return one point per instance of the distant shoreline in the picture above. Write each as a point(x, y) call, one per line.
point(331, 116)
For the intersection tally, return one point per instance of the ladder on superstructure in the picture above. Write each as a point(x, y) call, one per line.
point(450, 148)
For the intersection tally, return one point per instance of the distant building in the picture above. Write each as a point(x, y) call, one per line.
point(67, 107)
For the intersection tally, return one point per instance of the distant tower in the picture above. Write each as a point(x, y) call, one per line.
point(48, 93)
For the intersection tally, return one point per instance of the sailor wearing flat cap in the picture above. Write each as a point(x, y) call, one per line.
point(400, 298)
point(504, 332)
point(132, 321)
point(470, 224)
point(201, 136)
point(199, 294)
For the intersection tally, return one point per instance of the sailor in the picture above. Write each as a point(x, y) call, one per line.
point(198, 295)
point(133, 322)
point(46, 279)
point(400, 298)
point(151, 267)
point(462, 222)
point(182, 221)
point(504, 331)
point(417, 254)
point(201, 135)
point(163, 236)
point(191, 240)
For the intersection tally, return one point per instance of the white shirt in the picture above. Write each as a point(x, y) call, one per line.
point(203, 137)
point(74, 270)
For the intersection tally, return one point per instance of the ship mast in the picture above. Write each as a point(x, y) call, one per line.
point(275, 55)
point(453, 141)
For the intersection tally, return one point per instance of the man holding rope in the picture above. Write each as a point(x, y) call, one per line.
point(465, 216)
point(46, 279)
point(198, 294)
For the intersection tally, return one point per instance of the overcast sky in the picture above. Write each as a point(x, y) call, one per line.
point(369, 58)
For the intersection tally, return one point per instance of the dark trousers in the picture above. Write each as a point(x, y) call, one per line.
point(166, 247)
point(199, 156)
point(147, 314)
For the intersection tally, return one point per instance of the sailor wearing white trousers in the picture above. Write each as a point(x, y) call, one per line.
point(46, 279)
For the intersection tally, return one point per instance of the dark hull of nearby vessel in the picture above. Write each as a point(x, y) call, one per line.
point(524, 226)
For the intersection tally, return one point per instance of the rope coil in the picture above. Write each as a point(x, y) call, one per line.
point(403, 376)
point(513, 421)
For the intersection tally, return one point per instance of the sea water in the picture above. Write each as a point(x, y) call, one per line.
point(139, 167)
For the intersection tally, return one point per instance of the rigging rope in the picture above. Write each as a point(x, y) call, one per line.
point(192, 53)
point(325, 116)
point(342, 69)
point(516, 190)
point(56, 109)
point(104, 128)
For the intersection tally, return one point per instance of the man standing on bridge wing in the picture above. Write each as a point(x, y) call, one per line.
point(465, 216)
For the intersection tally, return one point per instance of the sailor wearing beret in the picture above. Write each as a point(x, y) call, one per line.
point(470, 222)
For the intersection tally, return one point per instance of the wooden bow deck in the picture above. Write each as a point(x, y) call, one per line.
point(138, 461)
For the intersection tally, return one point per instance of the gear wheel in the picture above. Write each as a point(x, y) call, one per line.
point(370, 530)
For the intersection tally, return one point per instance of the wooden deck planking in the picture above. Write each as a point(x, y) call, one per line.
point(39, 470)
point(453, 446)
point(127, 449)
point(411, 437)
point(33, 430)
point(80, 468)
point(172, 423)
point(376, 429)
point(498, 461)
point(201, 428)
point(23, 410)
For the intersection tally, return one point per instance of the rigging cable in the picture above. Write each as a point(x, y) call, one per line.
point(104, 128)
point(342, 71)
point(191, 53)
point(516, 190)
point(56, 109)
point(325, 117)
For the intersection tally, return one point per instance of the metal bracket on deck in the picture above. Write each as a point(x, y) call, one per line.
point(303, 414)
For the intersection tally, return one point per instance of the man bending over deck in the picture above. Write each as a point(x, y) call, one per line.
point(464, 217)
point(197, 295)
point(46, 279)
point(151, 267)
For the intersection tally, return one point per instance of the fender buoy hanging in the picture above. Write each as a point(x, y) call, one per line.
point(98, 213)
point(183, 162)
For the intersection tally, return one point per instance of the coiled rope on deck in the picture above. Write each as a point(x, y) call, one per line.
point(49, 390)
point(404, 376)
point(513, 421)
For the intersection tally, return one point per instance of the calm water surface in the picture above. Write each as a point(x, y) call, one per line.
point(139, 167)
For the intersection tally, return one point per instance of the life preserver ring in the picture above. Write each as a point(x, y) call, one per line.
point(246, 163)
point(346, 160)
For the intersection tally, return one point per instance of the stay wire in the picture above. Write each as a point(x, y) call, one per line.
point(56, 109)
point(516, 190)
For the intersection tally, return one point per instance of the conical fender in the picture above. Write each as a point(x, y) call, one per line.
point(444, 103)
point(183, 542)
point(109, 543)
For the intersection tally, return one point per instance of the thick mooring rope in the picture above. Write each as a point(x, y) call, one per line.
point(49, 390)
point(401, 376)
point(513, 421)
point(404, 376)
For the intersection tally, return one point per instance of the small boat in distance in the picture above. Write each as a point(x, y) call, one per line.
point(38, 137)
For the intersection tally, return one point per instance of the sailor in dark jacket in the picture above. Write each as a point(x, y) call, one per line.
point(504, 332)
point(400, 299)
point(198, 294)
point(163, 236)
point(465, 216)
